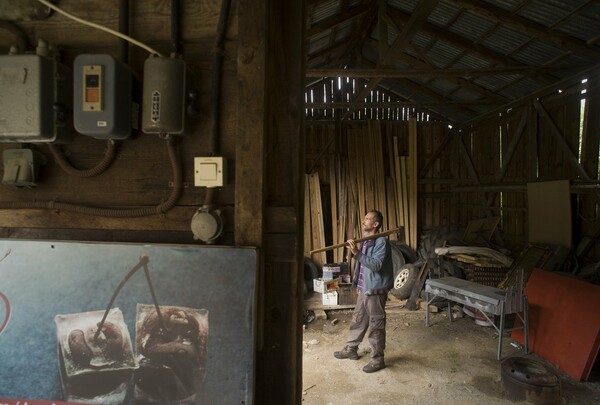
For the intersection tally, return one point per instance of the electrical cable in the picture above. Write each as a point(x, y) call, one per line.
point(114, 212)
point(123, 29)
point(175, 47)
point(20, 36)
point(216, 90)
point(100, 27)
point(100, 168)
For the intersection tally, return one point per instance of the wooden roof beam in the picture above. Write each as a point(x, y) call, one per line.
point(433, 73)
point(417, 19)
point(337, 19)
point(521, 24)
point(459, 81)
point(358, 37)
point(465, 44)
point(422, 10)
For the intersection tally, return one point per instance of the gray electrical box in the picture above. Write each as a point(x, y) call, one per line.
point(35, 99)
point(103, 97)
point(163, 98)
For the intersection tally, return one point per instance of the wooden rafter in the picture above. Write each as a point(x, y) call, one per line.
point(436, 73)
point(529, 27)
point(459, 81)
point(465, 44)
point(417, 19)
point(422, 10)
point(337, 19)
point(393, 104)
point(576, 78)
point(364, 28)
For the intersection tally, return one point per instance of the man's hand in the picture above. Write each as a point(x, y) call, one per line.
point(352, 246)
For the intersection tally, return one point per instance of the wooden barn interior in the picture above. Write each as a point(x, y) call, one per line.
point(438, 113)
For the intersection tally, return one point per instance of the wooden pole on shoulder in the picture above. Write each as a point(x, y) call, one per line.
point(377, 235)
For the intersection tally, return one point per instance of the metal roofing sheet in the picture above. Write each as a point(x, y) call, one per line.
point(464, 94)
point(442, 87)
point(537, 53)
point(520, 89)
point(473, 61)
point(443, 14)
point(443, 54)
point(323, 10)
point(585, 25)
point(404, 5)
point(579, 19)
point(547, 12)
point(495, 82)
point(471, 26)
point(504, 40)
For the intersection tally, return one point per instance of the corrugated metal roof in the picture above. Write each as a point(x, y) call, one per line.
point(471, 26)
point(505, 40)
point(547, 12)
point(473, 42)
point(324, 10)
point(443, 14)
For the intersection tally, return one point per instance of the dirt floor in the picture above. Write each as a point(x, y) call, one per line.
point(447, 363)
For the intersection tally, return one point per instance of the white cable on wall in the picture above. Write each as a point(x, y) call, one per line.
point(100, 27)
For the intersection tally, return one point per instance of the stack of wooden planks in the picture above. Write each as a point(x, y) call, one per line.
point(373, 170)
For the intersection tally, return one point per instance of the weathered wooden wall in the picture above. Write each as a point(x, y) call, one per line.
point(141, 174)
point(483, 169)
point(261, 137)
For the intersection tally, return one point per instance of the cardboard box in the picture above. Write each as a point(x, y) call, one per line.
point(340, 268)
point(321, 285)
point(332, 267)
point(330, 297)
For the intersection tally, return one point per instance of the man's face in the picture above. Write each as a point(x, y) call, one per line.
point(369, 224)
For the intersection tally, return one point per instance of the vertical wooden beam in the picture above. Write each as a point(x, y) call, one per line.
point(511, 147)
point(269, 177)
point(250, 167)
point(532, 143)
point(591, 129)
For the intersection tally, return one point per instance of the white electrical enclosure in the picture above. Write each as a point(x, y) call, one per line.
point(209, 171)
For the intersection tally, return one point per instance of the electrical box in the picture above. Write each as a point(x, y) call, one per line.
point(35, 99)
point(209, 171)
point(21, 167)
point(164, 95)
point(103, 97)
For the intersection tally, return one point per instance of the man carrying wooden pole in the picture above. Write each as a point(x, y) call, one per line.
point(373, 279)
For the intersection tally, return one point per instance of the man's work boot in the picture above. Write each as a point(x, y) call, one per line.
point(347, 352)
point(373, 366)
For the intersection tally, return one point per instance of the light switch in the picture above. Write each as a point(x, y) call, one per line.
point(209, 171)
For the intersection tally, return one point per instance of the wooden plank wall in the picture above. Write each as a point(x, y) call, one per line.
point(372, 167)
point(483, 169)
point(547, 149)
point(141, 174)
point(261, 138)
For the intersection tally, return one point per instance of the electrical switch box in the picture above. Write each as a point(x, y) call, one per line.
point(209, 171)
point(164, 95)
point(104, 105)
point(36, 99)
